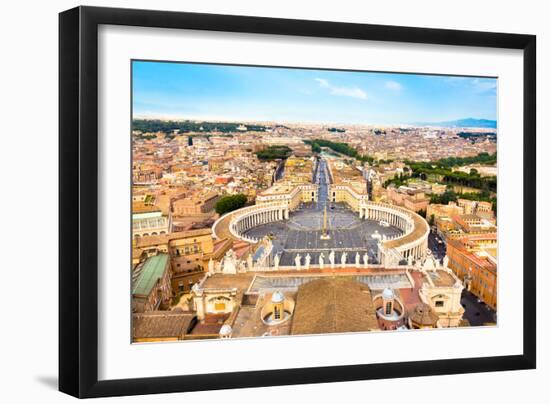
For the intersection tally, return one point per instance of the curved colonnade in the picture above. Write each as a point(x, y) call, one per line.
point(235, 224)
point(410, 245)
point(414, 242)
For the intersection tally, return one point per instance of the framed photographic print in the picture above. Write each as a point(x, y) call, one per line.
point(251, 201)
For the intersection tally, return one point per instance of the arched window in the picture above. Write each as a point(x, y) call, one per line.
point(388, 308)
point(276, 313)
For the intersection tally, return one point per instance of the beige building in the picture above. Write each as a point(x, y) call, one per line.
point(195, 203)
point(148, 220)
point(410, 198)
point(189, 252)
point(439, 210)
point(480, 208)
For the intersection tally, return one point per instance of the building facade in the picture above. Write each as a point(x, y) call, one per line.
point(473, 259)
point(151, 288)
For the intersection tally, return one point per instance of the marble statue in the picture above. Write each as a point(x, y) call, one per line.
point(276, 260)
point(308, 261)
point(297, 261)
point(357, 260)
point(343, 259)
point(321, 261)
point(331, 259)
point(230, 263)
point(365, 260)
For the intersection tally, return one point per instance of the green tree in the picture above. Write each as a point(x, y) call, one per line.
point(274, 152)
point(230, 203)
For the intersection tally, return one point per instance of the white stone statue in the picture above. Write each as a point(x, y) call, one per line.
point(321, 261)
point(249, 262)
point(429, 264)
point(331, 259)
point(308, 260)
point(297, 261)
point(365, 260)
point(445, 262)
point(410, 260)
point(229, 263)
point(276, 260)
point(357, 260)
point(343, 259)
point(210, 266)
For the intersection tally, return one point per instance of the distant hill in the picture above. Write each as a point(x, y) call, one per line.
point(463, 123)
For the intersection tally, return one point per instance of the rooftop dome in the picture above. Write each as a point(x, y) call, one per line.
point(423, 315)
point(226, 330)
point(388, 294)
point(277, 297)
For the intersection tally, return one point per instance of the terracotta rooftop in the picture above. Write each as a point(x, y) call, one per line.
point(423, 316)
point(442, 278)
point(162, 324)
point(141, 207)
point(332, 305)
point(222, 281)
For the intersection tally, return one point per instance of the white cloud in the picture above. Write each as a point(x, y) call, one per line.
point(477, 85)
point(354, 92)
point(483, 85)
point(323, 83)
point(393, 85)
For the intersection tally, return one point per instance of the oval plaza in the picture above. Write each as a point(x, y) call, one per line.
point(328, 221)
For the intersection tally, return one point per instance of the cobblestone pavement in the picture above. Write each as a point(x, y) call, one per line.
point(301, 234)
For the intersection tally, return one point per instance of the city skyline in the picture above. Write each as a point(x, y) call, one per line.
point(260, 207)
point(173, 90)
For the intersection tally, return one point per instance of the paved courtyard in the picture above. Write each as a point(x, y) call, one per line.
point(301, 234)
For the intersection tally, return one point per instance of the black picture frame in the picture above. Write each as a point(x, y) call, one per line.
point(78, 200)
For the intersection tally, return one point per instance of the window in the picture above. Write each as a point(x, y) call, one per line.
point(276, 313)
point(439, 303)
point(388, 308)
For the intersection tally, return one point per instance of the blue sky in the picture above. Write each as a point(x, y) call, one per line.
point(202, 91)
